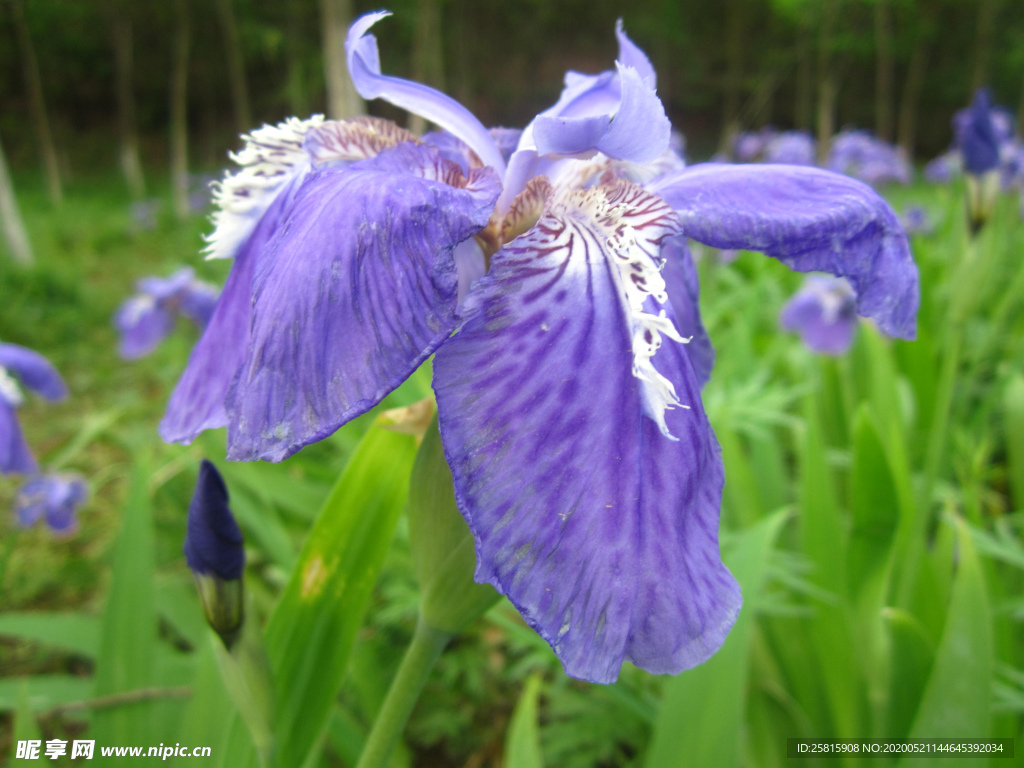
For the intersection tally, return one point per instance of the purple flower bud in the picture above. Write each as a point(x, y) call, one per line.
point(213, 544)
point(976, 136)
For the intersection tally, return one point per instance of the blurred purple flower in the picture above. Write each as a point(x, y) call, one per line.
point(21, 367)
point(54, 498)
point(147, 318)
point(916, 221)
point(144, 214)
point(568, 400)
point(791, 148)
point(200, 192)
point(750, 146)
point(866, 157)
point(944, 168)
point(824, 313)
point(977, 136)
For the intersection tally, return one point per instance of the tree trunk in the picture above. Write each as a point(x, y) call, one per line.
point(298, 93)
point(826, 80)
point(733, 75)
point(131, 166)
point(236, 67)
point(912, 96)
point(342, 99)
point(884, 71)
point(1020, 114)
point(427, 56)
point(40, 120)
point(802, 106)
point(987, 11)
point(10, 217)
point(179, 111)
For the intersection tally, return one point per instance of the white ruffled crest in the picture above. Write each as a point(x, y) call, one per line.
point(634, 224)
point(9, 389)
point(272, 157)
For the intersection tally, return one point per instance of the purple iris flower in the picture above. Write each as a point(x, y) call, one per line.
point(944, 168)
point(21, 367)
point(147, 318)
point(824, 313)
point(568, 372)
point(750, 146)
point(866, 157)
point(917, 221)
point(54, 498)
point(791, 148)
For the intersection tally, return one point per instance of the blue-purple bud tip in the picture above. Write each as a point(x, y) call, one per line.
point(213, 543)
point(977, 136)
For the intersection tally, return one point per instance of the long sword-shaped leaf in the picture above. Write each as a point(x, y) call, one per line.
point(957, 699)
point(128, 641)
point(702, 713)
point(311, 632)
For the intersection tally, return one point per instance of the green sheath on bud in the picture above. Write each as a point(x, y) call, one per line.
point(222, 605)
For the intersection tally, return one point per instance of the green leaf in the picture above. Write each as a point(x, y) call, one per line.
point(824, 542)
point(702, 710)
point(25, 725)
point(211, 718)
point(522, 742)
point(874, 504)
point(910, 662)
point(1013, 431)
point(128, 638)
point(311, 632)
point(43, 691)
point(74, 632)
point(958, 696)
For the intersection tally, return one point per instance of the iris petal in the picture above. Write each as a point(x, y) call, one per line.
point(431, 104)
point(34, 370)
point(14, 453)
point(363, 283)
point(812, 221)
point(197, 403)
point(638, 131)
point(600, 529)
point(683, 288)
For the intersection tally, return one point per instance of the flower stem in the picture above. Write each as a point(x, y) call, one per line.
point(427, 644)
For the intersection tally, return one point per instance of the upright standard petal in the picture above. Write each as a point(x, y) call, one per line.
point(638, 130)
point(364, 281)
point(15, 456)
point(431, 104)
point(593, 503)
point(812, 221)
point(34, 371)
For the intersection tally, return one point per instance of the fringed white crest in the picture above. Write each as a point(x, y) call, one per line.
point(9, 389)
point(272, 156)
point(634, 223)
